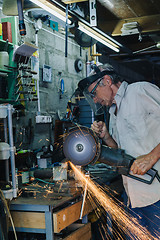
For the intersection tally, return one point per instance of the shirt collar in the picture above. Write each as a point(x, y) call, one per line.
point(119, 96)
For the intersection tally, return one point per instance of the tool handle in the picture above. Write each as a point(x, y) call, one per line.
point(151, 172)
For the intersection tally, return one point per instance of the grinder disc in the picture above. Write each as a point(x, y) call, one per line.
point(81, 146)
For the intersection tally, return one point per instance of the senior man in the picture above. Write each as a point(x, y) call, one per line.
point(135, 127)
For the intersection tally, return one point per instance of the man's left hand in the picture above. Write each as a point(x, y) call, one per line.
point(143, 163)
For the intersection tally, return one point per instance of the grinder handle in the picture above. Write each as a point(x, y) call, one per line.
point(151, 172)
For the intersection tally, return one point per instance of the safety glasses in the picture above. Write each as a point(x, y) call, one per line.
point(93, 92)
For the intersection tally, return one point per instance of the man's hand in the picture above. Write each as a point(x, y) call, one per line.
point(101, 129)
point(143, 163)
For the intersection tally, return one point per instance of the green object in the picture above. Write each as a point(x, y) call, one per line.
point(12, 74)
point(22, 151)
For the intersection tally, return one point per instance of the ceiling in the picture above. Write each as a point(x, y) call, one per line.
point(140, 52)
point(143, 55)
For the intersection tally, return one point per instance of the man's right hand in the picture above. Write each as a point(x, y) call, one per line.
point(100, 128)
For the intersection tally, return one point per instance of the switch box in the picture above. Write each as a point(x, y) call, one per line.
point(43, 119)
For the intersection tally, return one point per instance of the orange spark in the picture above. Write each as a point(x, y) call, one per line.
point(124, 220)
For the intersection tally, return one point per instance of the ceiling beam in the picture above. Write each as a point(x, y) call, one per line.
point(147, 24)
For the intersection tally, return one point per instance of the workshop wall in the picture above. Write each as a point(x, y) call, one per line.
point(53, 101)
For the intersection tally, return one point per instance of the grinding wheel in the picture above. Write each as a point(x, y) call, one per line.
point(81, 146)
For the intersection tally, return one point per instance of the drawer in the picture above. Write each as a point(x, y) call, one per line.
point(65, 217)
point(61, 219)
point(79, 232)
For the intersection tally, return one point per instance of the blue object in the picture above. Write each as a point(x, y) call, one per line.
point(56, 164)
point(148, 217)
point(62, 85)
point(53, 25)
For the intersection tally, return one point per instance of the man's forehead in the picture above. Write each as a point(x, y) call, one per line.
point(86, 82)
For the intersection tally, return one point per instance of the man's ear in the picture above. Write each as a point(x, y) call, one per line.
point(107, 80)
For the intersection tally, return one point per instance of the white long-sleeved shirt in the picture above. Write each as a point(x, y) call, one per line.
point(136, 129)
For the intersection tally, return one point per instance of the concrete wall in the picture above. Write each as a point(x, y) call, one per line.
point(51, 45)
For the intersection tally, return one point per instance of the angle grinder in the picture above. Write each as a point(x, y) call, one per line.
point(82, 146)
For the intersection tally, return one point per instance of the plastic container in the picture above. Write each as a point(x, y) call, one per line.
point(8, 194)
point(4, 59)
point(4, 151)
point(3, 111)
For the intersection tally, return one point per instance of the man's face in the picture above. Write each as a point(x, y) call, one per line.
point(101, 91)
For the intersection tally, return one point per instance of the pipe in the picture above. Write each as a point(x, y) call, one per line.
point(66, 32)
point(12, 154)
point(84, 198)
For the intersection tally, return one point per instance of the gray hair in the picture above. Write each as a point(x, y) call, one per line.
point(107, 67)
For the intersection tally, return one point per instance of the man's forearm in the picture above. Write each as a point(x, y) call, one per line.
point(109, 141)
point(156, 153)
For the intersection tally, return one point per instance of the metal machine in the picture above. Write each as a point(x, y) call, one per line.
point(82, 147)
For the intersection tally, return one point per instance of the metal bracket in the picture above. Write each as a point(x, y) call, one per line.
point(93, 14)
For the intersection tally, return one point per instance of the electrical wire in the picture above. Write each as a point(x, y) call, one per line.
point(8, 212)
point(38, 179)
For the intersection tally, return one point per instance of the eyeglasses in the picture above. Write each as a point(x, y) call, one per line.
point(93, 92)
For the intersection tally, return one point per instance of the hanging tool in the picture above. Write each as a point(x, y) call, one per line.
point(22, 28)
point(82, 147)
point(61, 89)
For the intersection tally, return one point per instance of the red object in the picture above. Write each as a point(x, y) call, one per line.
point(7, 31)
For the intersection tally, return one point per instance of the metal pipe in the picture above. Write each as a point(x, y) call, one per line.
point(84, 198)
point(66, 32)
point(6, 140)
point(37, 79)
point(12, 154)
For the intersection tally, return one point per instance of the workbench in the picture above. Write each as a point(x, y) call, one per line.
point(50, 214)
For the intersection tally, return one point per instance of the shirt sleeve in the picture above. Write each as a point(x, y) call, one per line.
point(143, 97)
point(151, 97)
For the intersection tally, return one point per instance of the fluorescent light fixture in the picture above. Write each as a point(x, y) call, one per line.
point(49, 7)
point(98, 36)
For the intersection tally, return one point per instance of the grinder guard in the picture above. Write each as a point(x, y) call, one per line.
point(82, 147)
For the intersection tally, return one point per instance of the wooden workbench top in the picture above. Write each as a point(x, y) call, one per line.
point(52, 201)
point(42, 195)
